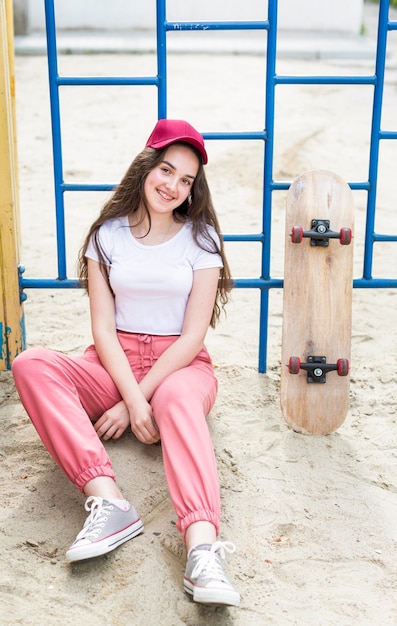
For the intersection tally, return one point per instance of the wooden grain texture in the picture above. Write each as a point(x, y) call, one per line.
point(317, 303)
point(12, 339)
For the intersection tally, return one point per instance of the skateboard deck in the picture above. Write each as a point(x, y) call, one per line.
point(317, 303)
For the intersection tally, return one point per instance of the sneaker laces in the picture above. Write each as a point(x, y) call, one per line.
point(208, 561)
point(99, 512)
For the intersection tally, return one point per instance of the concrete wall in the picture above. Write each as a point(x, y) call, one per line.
point(321, 15)
point(318, 15)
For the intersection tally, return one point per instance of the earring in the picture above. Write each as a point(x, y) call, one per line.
point(189, 199)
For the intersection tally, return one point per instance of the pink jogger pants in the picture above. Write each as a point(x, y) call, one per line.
point(64, 394)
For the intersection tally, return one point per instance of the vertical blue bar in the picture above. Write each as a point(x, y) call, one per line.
point(56, 136)
point(161, 59)
point(375, 137)
point(267, 180)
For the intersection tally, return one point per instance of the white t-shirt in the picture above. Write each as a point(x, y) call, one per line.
point(151, 284)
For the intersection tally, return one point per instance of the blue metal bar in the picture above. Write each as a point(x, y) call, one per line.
point(325, 80)
point(88, 186)
point(243, 135)
point(73, 283)
point(249, 237)
point(106, 80)
point(161, 59)
point(232, 25)
point(284, 185)
point(267, 180)
point(387, 134)
point(49, 283)
point(258, 283)
point(375, 137)
point(375, 283)
point(379, 237)
point(364, 186)
point(56, 136)
point(241, 283)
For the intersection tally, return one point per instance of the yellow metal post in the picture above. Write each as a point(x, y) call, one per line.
point(12, 336)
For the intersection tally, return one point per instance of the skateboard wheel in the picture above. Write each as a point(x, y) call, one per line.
point(294, 365)
point(297, 234)
point(345, 236)
point(343, 367)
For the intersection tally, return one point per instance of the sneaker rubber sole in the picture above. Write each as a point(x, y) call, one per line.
point(214, 595)
point(97, 548)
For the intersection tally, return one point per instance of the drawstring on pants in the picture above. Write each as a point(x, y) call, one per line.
point(146, 352)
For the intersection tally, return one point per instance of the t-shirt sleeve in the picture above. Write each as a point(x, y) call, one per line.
point(103, 238)
point(205, 259)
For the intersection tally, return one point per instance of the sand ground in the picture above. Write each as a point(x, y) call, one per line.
point(313, 518)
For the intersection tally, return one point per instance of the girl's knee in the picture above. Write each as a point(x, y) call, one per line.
point(29, 359)
point(185, 394)
point(168, 395)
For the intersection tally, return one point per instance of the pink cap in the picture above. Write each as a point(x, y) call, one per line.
point(167, 132)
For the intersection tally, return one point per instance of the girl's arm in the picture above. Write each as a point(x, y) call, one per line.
point(114, 359)
point(197, 319)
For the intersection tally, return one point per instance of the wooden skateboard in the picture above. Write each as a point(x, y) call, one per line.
point(317, 303)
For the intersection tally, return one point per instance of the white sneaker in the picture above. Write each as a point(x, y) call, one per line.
point(204, 577)
point(107, 527)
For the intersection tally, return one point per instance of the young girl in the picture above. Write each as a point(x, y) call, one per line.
point(156, 274)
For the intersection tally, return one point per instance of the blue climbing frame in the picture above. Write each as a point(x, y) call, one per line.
point(265, 282)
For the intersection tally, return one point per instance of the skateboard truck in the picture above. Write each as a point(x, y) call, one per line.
point(320, 234)
point(317, 368)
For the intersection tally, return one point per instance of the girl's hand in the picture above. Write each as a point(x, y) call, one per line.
point(143, 424)
point(113, 422)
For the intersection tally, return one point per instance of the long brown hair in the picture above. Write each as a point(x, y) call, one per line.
point(129, 197)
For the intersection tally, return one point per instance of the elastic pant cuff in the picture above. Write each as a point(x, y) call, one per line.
point(198, 516)
point(93, 472)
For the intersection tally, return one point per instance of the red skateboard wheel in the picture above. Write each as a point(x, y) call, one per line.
point(297, 234)
point(343, 367)
point(294, 365)
point(345, 236)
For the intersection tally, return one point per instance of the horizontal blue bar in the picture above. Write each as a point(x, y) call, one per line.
point(377, 237)
point(278, 283)
point(275, 185)
point(88, 186)
point(249, 237)
point(107, 80)
point(255, 134)
point(388, 134)
point(375, 283)
point(355, 186)
point(258, 283)
point(49, 283)
point(325, 80)
point(242, 283)
point(73, 283)
point(392, 26)
point(366, 186)
point(198, 26)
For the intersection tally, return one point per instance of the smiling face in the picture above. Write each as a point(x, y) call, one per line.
point(168, 185)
